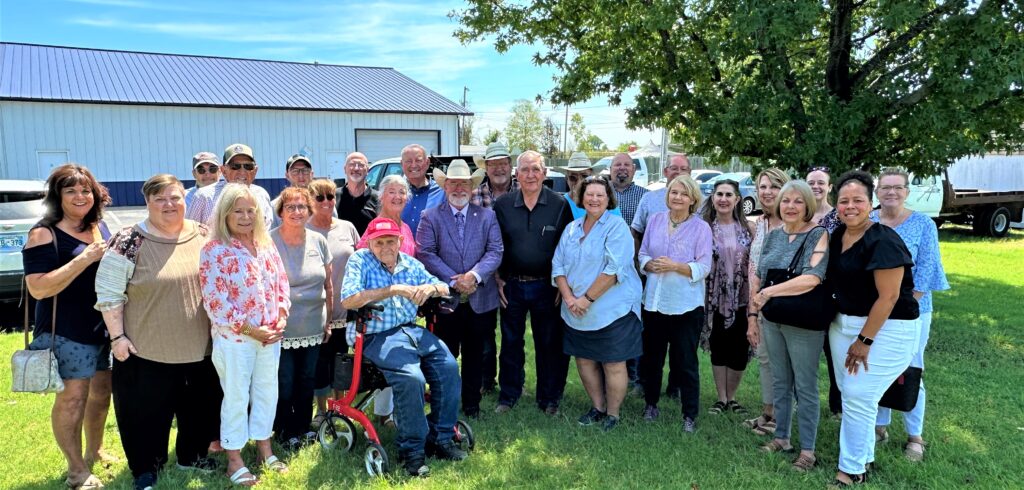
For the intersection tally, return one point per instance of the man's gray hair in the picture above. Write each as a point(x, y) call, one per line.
point(414, 146)
point(530, 155)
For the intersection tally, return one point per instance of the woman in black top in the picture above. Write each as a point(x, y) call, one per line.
point(870, 271)
point(73, 218)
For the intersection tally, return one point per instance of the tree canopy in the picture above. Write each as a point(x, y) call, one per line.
point(525, 127)
point(797, 84)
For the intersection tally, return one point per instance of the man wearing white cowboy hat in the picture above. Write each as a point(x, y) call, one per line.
point(498, 163)
point(460, 243)
point(576, 171)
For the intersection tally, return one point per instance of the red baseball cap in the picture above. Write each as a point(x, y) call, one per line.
point(382, 227)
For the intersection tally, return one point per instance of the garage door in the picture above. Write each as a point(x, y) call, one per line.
point(388, 143)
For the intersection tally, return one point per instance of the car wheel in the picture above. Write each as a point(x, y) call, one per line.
point(748, 206)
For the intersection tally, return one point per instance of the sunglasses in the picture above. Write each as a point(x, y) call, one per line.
point(819, 169)
point(596, 179)
point(212, 169)
point(574, 177)
point(321, 197)
point(249, 167)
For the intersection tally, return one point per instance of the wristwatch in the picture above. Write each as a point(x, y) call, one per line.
point(865, 340)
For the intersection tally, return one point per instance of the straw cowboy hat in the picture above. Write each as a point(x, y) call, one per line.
point(494, 151)
point(459, 169)
point(579, 162)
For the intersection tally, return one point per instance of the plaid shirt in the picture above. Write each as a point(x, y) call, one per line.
point(365, 272)
point(483, 197)
point(628, 200)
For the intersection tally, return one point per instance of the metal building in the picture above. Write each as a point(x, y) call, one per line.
point(130, 115)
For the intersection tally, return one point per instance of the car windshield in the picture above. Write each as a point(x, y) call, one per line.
point(21, 205)
point(738, 177)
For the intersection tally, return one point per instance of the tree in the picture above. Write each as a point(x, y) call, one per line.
point(623, 147)
point(466, 136)
point(525, 127)
point(592, 143)
point(578, 130)
point(797, 84)
point(491, 136)
point(551, 138)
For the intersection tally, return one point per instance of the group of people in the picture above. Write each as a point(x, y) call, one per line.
point(225, 309)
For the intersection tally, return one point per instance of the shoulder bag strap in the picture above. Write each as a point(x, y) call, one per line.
point(53, 315)
point(24, 298)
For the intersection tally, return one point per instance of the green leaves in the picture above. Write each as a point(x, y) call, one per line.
point(797, 83)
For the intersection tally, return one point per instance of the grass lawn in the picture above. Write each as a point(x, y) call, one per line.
point(975, 421)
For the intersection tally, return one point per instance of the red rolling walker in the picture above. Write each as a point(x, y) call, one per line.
point(356, 376)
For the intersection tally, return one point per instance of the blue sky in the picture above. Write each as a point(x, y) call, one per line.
point(412, 37)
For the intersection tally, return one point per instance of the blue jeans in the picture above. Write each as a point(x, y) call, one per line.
point(536, 298)
point(296, 377)
point(410, 357)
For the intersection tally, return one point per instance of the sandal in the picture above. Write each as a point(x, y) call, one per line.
point(804, 463)
point(318, 420)
point(90, 482)
point(854, 480)
point(756, 421)
point(274, 464)
point(243, 477)
point(765, 429)
point(881, 435)
point(774, 446)
point(717, 408)
point(914, 451)
point(735, 407)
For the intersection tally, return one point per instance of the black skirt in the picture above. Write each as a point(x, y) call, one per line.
point(617, 342)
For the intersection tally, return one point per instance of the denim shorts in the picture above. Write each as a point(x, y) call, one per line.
point(75, 360)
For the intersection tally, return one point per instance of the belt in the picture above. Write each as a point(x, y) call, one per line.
point(526, 278)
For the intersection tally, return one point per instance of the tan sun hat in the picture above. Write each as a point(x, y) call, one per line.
point(494, 151)
point(458, 169)
point(579, 162)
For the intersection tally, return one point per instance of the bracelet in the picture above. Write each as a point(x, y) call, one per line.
point(119, 337)
point(246, 330)
point(752, 314)
point(865, 340)
point(587, 295)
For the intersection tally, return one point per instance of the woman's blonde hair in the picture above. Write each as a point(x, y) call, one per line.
point(800, 187)
point(219, 221)
point(887, 171)
point(691, 187)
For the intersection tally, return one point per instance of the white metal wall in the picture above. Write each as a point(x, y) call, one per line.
point(131, 143)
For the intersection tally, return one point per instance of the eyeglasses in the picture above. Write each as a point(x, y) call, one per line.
point(295, 208)
point(322, 197)
point(212, 169)
point(249, 167)
point(300, 171)
point(887, 188)
point(819, 169)
point(571, 177)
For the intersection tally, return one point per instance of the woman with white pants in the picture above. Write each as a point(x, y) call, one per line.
point(870, 270)
point(245, 293)
point(919, 233)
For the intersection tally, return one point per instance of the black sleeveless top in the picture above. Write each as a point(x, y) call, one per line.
point(77, 319)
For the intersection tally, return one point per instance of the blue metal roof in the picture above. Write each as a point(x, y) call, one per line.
point(52, 73)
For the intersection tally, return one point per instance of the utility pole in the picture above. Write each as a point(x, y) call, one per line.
point(462, 120)
point(565, 132)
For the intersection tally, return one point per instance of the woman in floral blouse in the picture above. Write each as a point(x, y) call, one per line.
point(245, 293)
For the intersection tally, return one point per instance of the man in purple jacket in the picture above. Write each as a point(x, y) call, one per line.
point(460, 243)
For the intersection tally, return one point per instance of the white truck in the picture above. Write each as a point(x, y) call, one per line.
point(988, 212)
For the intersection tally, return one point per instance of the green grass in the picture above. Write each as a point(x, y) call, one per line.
point(975, 420)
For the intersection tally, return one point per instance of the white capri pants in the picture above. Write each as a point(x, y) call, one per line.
point(890, 355)
point(248, 376)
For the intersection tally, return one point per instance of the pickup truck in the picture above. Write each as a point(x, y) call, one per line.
point(988, 212)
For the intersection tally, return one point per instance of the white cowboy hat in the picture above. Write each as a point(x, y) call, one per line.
point(579, 162)
point(458, 169)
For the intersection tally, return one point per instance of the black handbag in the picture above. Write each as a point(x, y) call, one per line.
point(902, 394)
point(813, 310)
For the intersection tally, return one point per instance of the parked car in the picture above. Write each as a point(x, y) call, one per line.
point(704, 174)
point(748, 191)
point(21, 206)
point(640, 178)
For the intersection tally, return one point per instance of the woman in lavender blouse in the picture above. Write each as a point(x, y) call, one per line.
point(676, 256)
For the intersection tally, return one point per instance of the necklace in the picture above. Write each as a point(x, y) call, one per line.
point(675, 223)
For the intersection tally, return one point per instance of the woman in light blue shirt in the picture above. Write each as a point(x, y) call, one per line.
point(676, 257)
point(600, 290)
point(919, 233)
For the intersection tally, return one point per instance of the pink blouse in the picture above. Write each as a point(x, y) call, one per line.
point(408, 242)
point(241, 289)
